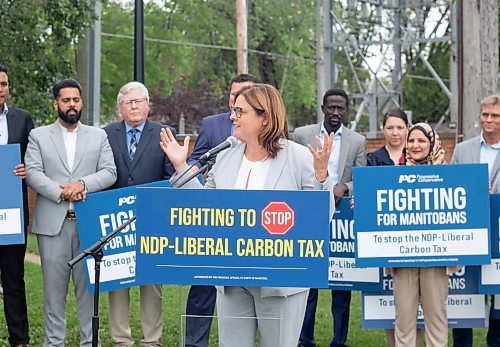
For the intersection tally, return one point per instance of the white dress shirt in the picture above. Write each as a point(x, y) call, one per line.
point(69, 138)
point(333, 161)
point(4, 131)
point(252, 174)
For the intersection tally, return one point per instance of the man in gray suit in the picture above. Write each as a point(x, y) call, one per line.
point(483, 149)
point(139, 159)
point(348, 151)
point(64, 162)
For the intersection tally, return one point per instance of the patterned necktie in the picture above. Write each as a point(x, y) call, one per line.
point(133, 143)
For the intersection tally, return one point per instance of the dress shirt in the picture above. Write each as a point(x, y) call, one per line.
point(4, 131)
point(333, 162)
point(69, 138)
point(140, 128)
point(252, 174)
point(488, 154)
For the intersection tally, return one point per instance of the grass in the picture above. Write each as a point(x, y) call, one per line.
point(174, 298)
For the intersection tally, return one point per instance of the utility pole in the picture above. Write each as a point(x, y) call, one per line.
point(479, 53)
point(241, 36)
point(322, 67)
point(89, 69)
point(139, 41)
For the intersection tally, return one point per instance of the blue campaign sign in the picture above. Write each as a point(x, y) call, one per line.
point(233, 237)
point(11, 193)
point(490, 273)
point(465, 307)
point(426, 215)
point(343, 273)
point(97, 217)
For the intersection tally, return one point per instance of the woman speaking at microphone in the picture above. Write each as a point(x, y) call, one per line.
point(264, 159)
point(425, 285)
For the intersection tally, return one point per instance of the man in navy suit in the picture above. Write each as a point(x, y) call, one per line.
point(138, 158)
point(15, 126)
point(201, 299)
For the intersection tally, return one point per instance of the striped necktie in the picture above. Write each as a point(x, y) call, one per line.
point(133, 143)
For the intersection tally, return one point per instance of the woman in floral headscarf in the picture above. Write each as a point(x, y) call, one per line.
point(425, 285)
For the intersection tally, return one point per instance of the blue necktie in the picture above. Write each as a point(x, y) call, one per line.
point(133, 143)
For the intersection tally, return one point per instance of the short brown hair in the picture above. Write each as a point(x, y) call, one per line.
point(267, 101)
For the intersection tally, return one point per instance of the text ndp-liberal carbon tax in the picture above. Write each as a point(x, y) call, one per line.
point(209, 246)
point(225, 246)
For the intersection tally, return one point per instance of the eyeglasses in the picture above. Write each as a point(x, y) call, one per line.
point(128, 103)
point(238, 111)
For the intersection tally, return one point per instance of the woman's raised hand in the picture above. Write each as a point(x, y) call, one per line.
point(175, 152)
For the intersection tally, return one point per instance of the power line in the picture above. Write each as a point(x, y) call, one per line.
point(203, 45)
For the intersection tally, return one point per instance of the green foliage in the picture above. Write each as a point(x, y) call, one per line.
point(38, 47)
point(173, 307)
point(185, 56)
point(424, 97)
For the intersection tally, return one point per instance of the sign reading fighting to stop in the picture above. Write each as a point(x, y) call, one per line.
point(278, 218)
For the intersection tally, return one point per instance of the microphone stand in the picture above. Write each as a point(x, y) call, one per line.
point(96, 252)
point(208, 165)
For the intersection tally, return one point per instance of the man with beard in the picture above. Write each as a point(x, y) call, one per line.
point(348, 151)
point(15, 126)
point(64, 162)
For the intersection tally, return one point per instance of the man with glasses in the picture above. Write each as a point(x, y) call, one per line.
point(483, 149)
point(348, 151)
point(201, 299)
point(64, 162)
point(15, 127)
point(135, 142)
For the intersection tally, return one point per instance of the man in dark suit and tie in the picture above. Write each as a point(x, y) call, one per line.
point(15, 126)
point(201, 299)
point(135, 142)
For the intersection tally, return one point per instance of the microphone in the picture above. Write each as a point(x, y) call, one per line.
point(230, 142)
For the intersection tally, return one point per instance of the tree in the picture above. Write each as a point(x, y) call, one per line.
point(186, 55)
point(38, 46)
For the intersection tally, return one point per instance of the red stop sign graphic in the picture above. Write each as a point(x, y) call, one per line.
point(277, 218)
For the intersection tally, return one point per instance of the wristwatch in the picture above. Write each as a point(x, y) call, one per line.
point(84, 185)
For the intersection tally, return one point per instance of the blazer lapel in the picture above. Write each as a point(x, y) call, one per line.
point(276, 167)
point(11, 127)
point(476, 151)
point(495, 169)
point(344, 150)
point(313, 134)
point(82, 140)
point(121, 140)
point(228, 175)
point(57, 139)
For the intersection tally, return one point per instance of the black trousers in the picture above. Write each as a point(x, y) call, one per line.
point(14, 293)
